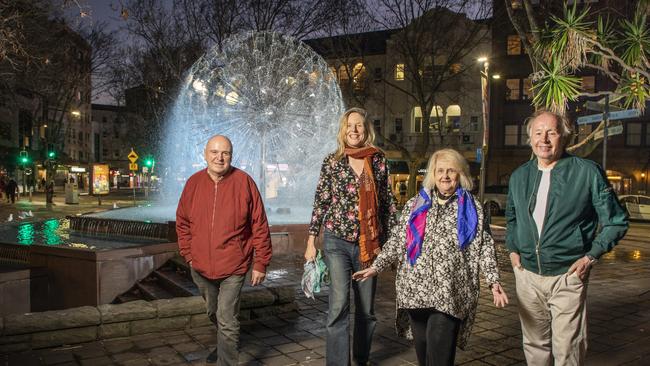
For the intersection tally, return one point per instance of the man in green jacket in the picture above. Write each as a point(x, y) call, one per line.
point(562, 215)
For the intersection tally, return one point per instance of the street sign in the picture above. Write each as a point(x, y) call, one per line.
point(133, 166)
point(593, 118)
point(479, 155)
point(28, 171)
point(598, 107)
point(133, 157)
point(611, 131)
point(145, 169)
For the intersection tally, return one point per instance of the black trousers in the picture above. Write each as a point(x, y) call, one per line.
point(434, 335)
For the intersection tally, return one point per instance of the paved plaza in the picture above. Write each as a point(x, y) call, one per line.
point(619, 323)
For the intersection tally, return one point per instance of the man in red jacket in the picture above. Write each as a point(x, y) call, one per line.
point(222, 229)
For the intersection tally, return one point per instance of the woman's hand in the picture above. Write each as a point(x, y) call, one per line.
point(364, 274)
point(499, 296)
point(310, 252)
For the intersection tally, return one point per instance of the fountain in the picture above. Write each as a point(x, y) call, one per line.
point(278, 102)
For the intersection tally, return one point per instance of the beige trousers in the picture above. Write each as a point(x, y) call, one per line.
point(553, 314)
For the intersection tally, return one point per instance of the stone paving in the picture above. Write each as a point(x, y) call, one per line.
point(619, 326)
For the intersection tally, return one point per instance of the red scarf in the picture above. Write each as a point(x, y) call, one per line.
point(368, 220)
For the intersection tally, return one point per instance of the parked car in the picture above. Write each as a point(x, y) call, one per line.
point(495, 199)
point(637, 206)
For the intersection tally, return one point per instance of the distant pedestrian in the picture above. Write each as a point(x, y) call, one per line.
point(49, 192)
point(561, 215)
point(3, 187)
point(222, 231)
point(402, 192)
point(11, 189)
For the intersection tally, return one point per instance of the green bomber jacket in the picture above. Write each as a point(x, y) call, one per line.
point(583, 215)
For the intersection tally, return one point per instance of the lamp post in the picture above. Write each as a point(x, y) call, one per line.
point(485, 98)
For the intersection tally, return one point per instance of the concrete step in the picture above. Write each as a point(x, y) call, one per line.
point(151, 290)
point(176, 281)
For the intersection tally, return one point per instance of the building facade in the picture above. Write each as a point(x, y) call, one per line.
point(373, 72)
point(628, 153)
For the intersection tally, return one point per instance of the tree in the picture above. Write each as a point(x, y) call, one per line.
point(169, 38)
point(572, 42)
point(435, 42)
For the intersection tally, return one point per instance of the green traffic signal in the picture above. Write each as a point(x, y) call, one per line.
point(24, 160)
point(148, 162)
point(51, 154)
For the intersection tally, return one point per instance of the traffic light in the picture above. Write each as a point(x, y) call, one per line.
point(148, 162)
point(51, 152)
point(23, 158)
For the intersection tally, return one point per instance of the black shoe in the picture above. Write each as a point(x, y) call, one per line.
point(212, 357)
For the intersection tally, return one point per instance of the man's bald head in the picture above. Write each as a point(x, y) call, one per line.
point(218, 155)
point(219, 139)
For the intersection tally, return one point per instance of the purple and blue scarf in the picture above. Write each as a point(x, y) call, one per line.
point(467, 222)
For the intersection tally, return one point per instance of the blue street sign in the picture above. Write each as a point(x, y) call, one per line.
point(593, 118)
point(479, 155)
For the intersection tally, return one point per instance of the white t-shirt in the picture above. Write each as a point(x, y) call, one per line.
point(542, 197)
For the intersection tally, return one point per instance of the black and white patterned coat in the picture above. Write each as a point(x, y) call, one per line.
point(443, 277)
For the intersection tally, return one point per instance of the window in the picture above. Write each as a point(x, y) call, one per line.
point(398, 125)
point(81, 136)
point(378, 75)
point(434, 116)
point(589, 84)
point(513, 90)
point(359, 76)
point(104, 153)
point(647, 134)
point(527, 90)
point(633, 134)
point(104, 120)
point(455, 68)
point(377, 126)
point(343, 73)
point(116, 154)
point(514, 45)
point(417, 124)
point(453, 117)
point(473, 124)
point(511, 137)
point(399, 72)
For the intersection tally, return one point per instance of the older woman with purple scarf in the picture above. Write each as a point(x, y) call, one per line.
point(441, 244)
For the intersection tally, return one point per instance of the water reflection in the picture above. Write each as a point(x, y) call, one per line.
point(52, 232)
point(623, 255)
point(26, 234)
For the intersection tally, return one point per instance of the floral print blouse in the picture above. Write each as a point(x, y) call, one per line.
point(336, 205)
point(444, 277)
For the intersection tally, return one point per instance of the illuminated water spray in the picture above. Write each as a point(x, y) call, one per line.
point(278, 102)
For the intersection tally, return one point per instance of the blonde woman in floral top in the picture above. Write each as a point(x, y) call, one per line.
point(355, 204)
point(441, 244)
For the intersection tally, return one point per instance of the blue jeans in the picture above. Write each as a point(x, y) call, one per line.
point(342, 258)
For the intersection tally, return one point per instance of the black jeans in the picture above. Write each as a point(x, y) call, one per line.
point(434, 335)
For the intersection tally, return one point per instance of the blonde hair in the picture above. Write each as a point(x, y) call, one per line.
point(457, 161)
point(565, 127)
point(369, 136)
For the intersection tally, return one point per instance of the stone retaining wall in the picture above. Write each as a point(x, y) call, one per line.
point(84, 324)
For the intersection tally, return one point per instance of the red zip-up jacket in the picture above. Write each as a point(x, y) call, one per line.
point(221, 224)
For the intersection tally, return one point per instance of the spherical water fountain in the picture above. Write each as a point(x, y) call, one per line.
point(278, 102)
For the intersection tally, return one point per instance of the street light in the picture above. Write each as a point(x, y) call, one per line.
point(485, 97)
